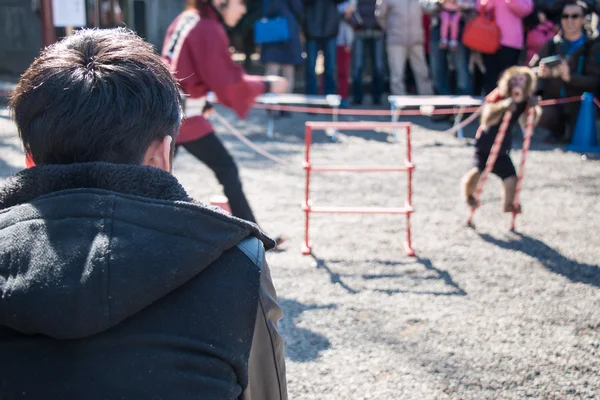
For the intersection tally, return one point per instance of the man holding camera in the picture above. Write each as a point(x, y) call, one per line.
point(568, 65)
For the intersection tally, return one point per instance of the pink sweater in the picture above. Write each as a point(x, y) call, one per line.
point(509, 16)
point(537, 37)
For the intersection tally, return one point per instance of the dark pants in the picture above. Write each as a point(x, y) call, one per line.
point(328, 46)
point(495, 64)
point(375, 47)
point(438, 62)
point(210, 151)
point(560, 120)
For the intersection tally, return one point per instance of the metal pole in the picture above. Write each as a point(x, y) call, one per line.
point(48, 34)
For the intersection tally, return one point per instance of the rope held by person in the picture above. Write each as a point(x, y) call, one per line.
point(247, 142)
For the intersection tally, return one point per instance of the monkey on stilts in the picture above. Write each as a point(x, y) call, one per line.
point(515, 93)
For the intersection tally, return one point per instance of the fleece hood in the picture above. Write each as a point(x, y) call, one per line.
point(85, 246)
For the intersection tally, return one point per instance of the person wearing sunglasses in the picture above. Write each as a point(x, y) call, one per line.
point(567, 65)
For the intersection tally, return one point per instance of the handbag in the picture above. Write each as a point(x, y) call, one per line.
point(271, 31)
point(481, 34)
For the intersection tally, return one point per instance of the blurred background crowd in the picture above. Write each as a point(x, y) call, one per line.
point(366, 49)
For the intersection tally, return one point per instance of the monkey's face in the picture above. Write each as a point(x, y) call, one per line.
point(517, 86)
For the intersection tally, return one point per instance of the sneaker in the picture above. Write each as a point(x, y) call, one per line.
point(279, 241)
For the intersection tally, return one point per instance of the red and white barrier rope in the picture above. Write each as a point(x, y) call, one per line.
point(389, 113)
point(247, 142)
point(474, 110)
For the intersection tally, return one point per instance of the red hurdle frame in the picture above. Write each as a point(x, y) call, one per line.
point(309, 168)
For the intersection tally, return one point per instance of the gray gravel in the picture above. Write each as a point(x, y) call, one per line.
point(485, 314)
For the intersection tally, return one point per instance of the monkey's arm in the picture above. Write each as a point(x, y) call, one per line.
point(491, 113)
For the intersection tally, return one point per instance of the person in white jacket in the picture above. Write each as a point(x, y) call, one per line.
point(402, 22)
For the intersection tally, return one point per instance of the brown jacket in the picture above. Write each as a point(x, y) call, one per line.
point(585, 68)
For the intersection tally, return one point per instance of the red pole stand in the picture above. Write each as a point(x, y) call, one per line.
point(48, 35)
point(408, 167)
point(489, 165)
point(526, 143)
point(306, 246)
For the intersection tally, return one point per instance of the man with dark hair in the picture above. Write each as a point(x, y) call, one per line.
point(114, 283)
point(577, 72)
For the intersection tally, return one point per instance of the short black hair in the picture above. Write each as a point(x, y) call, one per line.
point(98, 95)
point(584, 5)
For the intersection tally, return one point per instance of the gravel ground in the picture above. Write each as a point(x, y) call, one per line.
point(485, 314)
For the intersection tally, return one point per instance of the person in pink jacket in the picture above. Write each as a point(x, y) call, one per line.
point(509, 15)
point(539, 32)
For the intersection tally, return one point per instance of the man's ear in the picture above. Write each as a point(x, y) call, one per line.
point(159, 154)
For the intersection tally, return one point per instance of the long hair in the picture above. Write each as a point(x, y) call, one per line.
point(201, 5)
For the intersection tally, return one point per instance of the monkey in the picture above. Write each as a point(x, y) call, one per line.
point(515, 93)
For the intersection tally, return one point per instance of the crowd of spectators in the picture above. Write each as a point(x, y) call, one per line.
point(416, 46)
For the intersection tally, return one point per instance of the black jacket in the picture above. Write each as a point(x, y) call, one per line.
point(114, 284)
point(322, 19)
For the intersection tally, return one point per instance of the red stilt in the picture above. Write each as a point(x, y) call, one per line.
point(526, 143)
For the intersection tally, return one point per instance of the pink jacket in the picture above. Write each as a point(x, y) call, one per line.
point(537, 37)
point(509, 16)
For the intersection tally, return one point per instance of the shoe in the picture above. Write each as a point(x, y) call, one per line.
point(443, 44)
point(453, 45)
point(344, 104)
point(279, 241)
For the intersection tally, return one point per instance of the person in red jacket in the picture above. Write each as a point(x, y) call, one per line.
point(196, 48)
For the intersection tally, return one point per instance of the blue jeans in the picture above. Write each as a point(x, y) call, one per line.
point(328, 46)
point(375, 46)
point(438, 59)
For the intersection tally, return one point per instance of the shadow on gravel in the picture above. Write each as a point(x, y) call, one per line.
point(550, 258)
point(301, 345)
point(336, 278)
